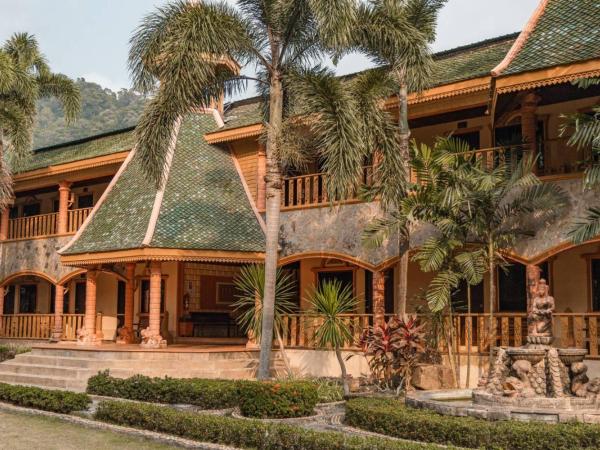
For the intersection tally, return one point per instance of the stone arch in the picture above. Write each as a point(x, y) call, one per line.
point(71, 275)
point(553, 251)
point(27, 273)
point(341, 256)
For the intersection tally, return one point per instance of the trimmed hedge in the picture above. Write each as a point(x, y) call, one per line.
point(238, 432)
point(207, 394)
point(277, 399)
point(393, 418)
point(47, 400)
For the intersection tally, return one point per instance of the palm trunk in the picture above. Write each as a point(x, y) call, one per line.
point(340, 358)
point(492, 293)
point(404, 137)
point(273, 208)
point(449, 343)
point(468, 336)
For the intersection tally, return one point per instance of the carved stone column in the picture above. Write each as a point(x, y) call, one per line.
point(261, 172)
point(378, 298)
point(4, 223)
point(126, 333)
point(151, 337)
point(88, 334)
point(64, 192)
point(59, 298)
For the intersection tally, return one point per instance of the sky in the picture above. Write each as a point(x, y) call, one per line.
point(90, 38)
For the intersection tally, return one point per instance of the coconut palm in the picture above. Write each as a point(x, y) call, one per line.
point(189, 53)
point(25, 77)
point(250, 283)
point(330, 301)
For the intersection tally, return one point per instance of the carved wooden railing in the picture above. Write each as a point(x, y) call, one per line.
point(578, 330)
point(39, 326)
point(45, 225)
point(33, 226)
point(310, 190)
point(76, 218)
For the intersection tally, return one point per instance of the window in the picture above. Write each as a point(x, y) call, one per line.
point(13, 213)
point(9, 300)
point(145, 300)
point(512, 289)
point(595, 278)
point(226, 294)
point(85, 201)
point(120, 304)
point(33, 209)
point(55, 206)
point(80, 289)
point(460, 298)
point(27, 298)
point(470, 138)
point(346, 277)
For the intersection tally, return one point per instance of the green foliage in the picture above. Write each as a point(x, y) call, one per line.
point(328, 390)
point(239, 432)
point(277, 399)
point(392, 418)
point(10, 351)
point(330, 301)
point(250, 283)
point(102, 110)
point(207, 394)
point(47, 400)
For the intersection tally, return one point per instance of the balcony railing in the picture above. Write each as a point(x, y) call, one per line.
point(578, 330)
point(45, 225)
point(38, 326)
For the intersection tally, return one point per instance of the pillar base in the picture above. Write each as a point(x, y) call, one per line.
point(252, 345)
point(125, 336)
point(85, 337)
point(56, 337)
point(152, 339)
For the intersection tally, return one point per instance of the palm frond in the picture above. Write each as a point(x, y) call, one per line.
point(586, 228)
point(440, 290)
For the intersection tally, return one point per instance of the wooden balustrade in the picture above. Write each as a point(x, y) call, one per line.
point(38, 326)
point(578, 330)
point(76, 218)
point(45, 225)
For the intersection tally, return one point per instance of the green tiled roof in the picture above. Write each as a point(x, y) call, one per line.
point(567, 31)
point(105, 144)
point(242, 113)
point(204, 207)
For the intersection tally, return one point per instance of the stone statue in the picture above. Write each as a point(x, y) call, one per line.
point(151, 339)
point(579, 380)
point(519, 386)
point(542, 308)
point(125, 336)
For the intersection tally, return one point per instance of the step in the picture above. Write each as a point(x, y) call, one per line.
point(34, 380)
point(45, 370)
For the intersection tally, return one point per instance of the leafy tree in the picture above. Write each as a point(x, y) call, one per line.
point(330, 300)
point(194, 49)
point(25, 77)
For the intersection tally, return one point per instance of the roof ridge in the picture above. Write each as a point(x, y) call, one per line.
point(522, 39)
point(161, 190)
point(84, 139)
point(478, 44)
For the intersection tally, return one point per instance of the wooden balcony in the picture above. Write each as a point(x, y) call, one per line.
point(38, 326)
point(45, 225)
point(578, 330)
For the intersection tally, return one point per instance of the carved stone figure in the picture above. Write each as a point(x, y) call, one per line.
point(521, 384)
point(87, 338)
point(579, 380)
point(498, 373)
point(556, 374)
point(151, 339)
point(540, 314)
point(124, 336)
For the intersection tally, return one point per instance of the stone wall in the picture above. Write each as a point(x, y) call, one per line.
point(37, 255)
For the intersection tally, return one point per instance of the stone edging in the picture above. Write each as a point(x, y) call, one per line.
point(134, 432)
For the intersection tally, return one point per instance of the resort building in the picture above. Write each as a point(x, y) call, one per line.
point(91, 251)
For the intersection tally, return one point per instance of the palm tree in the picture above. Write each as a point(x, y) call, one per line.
point(250, 284)
point(586, 134)
point(330, 301)
point(188, 54)
point(25, 77)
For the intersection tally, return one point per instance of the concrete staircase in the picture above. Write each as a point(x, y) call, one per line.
point(57, 368)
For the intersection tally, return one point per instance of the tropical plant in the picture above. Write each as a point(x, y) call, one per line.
point(25, 77)
point(250, 284)
point(586, 134)
point(196, 50)
point(393, 348)
point(330, 300)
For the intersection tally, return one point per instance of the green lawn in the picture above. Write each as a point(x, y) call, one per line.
point(21, 431)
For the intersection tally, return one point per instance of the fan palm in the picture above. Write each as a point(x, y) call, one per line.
point(189, 53)
point(25, 77)
point(330, 301)
point(586, 135)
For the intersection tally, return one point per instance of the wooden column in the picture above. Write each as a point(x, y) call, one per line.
point(529, 121)
point(378, 297)
point(151, 337)
point(59, 299)
point(4, 223)
point(88, 334)
point(64, 192)
point(261, 172)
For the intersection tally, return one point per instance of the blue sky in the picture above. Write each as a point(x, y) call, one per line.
point(89, 38)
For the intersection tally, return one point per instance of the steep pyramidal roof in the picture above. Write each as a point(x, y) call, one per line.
point(204, 205)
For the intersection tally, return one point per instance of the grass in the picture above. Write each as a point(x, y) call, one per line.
point(25, 432)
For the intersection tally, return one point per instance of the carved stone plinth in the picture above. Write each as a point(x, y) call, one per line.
point(151, 339)
point(85, 337)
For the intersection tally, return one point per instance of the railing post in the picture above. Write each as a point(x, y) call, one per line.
point(64, 192)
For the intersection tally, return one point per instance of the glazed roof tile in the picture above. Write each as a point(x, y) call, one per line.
point(204, 206)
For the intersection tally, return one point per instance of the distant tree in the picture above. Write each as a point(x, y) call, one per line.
point(25, 77)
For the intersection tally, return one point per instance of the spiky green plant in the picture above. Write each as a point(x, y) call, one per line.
point(330, 300)
point(25, 77)
point(194, 48)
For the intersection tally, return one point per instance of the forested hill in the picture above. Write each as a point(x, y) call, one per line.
point(101, 110)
